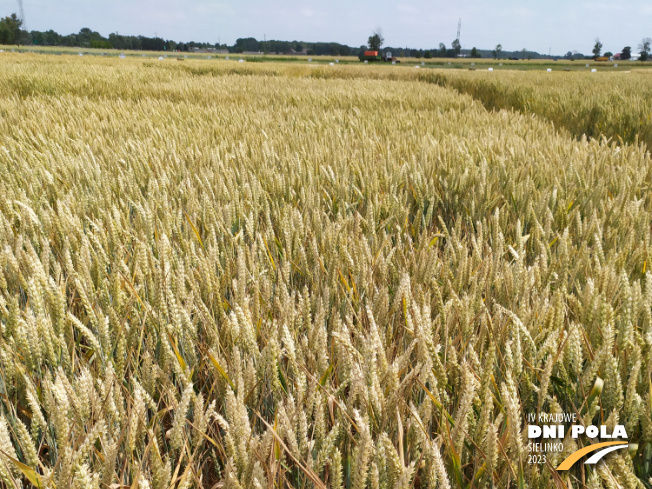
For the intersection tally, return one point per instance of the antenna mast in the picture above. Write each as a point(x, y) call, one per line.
point(459, 28)
point(21, 11)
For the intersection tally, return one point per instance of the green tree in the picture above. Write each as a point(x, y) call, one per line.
point(457, 47)
point(644, 48)
point(246, 44)
point(608, 54)
point(10, 29)
point(627, 53)
point(475, 53)
point(442, 50)
point(497, 51)
point(427, 54)
point(597, 48)
point(376, 40)
point(38, 38)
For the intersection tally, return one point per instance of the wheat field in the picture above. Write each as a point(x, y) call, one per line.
point(613, 105)
point(228, 275)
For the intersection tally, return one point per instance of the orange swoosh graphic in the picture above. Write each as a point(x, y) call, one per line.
point(575, 456)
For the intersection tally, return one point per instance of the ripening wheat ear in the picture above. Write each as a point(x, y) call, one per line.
point(491, 449)
point(509, 397)
point(177, 433)
point(8, 471)
point(362, 453)
point(466, 399)
point(437, 474)
point(26, 444)
point(335, 470)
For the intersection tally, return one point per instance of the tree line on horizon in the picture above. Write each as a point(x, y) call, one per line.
point(645, 49)
point(11, 32)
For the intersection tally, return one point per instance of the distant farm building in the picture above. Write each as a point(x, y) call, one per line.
point(634, 57)
point(210, 50)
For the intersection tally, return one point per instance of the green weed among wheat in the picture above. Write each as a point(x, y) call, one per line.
point(216, 274)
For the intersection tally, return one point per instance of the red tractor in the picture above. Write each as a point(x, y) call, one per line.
point(375, 56)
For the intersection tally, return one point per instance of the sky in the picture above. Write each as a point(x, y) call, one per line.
point(554, 25)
